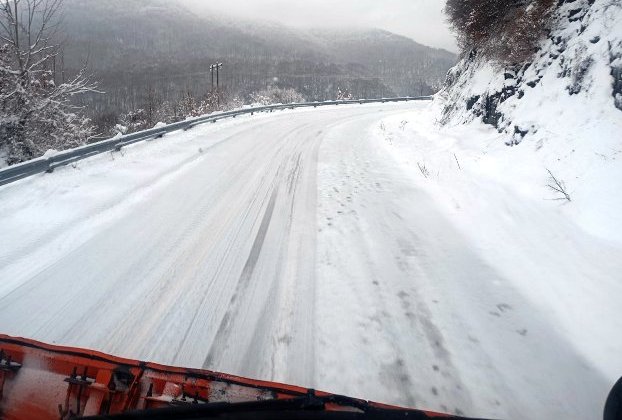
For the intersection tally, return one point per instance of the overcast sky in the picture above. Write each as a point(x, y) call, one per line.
point(421, 20)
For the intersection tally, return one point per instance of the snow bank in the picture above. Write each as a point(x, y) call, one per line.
point(566, 257)
point(562, 115)
point(50, 153)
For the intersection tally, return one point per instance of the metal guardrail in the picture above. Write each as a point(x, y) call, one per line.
point(39, 165)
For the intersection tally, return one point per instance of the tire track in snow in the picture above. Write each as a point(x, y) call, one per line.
point(221, 340)
point(155, 284)
point(121, 203)
point(211, 305)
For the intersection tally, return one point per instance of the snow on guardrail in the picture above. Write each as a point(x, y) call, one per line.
point(48, 164)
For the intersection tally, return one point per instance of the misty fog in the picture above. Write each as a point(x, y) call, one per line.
point(421, 20)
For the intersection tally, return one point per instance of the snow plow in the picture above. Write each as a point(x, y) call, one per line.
point(41, 381)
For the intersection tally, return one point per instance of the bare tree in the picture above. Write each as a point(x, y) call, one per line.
point(29, 26)
point(36, 113)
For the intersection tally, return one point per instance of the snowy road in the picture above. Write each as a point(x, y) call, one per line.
point(290, 248)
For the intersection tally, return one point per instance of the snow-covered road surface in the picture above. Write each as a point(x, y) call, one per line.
point(291, 247)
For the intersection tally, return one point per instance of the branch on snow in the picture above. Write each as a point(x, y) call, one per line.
point(558, 186)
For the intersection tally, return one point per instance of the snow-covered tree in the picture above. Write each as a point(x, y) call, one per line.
point(133, 121)
point(36, 109)
point(276, 95)
point(188, 105)
point(191, 106)
point(234, 102)
point(343, 94)
point(154, 110)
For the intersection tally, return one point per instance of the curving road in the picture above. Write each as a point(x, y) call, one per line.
point(286, 247)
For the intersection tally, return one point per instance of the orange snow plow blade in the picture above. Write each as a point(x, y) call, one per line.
point(41, 381)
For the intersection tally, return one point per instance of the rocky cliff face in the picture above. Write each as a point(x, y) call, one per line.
point(572, 86)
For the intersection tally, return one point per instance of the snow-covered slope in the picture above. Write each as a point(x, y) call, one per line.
point(573, 84)
point(505, 135)
point(563, 110)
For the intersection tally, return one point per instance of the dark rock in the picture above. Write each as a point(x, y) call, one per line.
point(615, 61)
point(616, 72)
point(576, 14)
point(578, 75)
point(472, 101)
point(491, 115)
point(519, 132)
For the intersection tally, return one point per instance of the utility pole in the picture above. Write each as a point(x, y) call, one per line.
point(215, 67)
point(54, 69)
point(218, 66)
point(211, 70)
point(62, 66)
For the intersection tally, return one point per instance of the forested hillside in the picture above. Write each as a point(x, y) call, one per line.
point(152, 44)
point(121, 66)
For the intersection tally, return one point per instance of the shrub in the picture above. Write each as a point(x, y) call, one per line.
point(505, 30)
point(276, 95)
